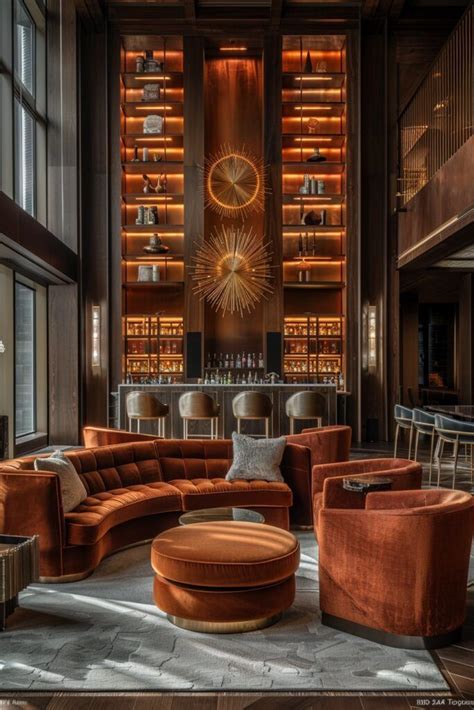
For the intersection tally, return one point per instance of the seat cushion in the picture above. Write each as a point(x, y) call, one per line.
point(213, 492)
point(102, 511)
point(225, 554)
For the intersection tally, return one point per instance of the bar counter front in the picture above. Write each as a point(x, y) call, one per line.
point(224, 394)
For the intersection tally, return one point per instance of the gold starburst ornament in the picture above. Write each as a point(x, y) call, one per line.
point(232, 270)
point(234, 182)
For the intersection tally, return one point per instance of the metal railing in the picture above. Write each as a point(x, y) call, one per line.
point(439, 118)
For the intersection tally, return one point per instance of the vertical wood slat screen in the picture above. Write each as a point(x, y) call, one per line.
point(439, 118)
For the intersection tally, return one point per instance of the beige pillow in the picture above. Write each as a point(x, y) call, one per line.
point(256, 459)
point(73, 491)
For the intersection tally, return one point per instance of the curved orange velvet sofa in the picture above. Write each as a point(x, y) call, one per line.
point(135, 491)
point(326, 445)
point(327, 481)
point(396, 571)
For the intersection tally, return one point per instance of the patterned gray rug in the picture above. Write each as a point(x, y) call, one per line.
point(105, 633)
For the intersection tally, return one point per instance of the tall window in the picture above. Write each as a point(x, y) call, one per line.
point(25, 360)
point(29, 98)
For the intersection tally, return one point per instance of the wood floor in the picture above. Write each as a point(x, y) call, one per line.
point(455, 662)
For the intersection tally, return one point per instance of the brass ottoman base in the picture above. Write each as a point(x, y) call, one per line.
point(223, 627)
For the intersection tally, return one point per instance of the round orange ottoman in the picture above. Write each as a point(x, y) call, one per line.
point(224, 577)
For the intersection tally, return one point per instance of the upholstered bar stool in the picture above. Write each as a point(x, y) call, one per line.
point(305, 405)
point(199, 405)
point(253, 405)
point(404, 419)
point(457, 433)
point(424, 423)
point(143, 406)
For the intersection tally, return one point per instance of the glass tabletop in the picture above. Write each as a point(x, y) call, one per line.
point(210, 515)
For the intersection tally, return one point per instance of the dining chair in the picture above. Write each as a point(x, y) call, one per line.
point(455, 432)
point(424, 423)
point(404, 419)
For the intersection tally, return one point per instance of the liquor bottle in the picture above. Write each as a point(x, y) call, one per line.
point(238, 362)
point(254, 360)
point(261, 363)
point(231, 363)
point(226, 361)
point(214, 360)
point(135, 158)
point(209, 361)
point(243, 379)
point(300, 245)
point(244, 360)
point(221, 361)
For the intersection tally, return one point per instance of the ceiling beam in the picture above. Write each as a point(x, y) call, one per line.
point(91, 13)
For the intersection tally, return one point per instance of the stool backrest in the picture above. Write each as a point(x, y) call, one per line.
point(143, 404)
point(403, 415)
point(197, 404)
point(306, 405)
point(252, 404)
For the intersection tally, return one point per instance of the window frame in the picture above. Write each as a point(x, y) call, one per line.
point(27, 435)
point(26, 101)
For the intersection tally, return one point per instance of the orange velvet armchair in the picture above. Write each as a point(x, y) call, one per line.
point(396, 571)
point(327, 481)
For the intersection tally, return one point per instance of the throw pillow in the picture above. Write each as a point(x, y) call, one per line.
point(73, 491)
point(256, 459)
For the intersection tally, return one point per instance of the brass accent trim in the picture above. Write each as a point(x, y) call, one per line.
point(223, 627)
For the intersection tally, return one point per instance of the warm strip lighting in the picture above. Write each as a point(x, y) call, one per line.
point(313, 108)
point(313, 77)
point(329, 207)
point(95, 359)
point(153, 199)
point(310, 231)
point(161, 139)
point(317, 90)
point(311, 198)
point(153, 106)
point(153, 227)
point(232, 49)
point(157, 198)
point(154, 77)
point(314, 139)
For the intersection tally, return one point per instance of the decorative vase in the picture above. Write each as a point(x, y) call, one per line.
point(308, 64)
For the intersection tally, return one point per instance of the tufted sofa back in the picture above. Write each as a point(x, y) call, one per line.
point(120, 465)
point(193, 459)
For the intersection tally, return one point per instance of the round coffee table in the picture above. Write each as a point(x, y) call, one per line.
point(212, 515)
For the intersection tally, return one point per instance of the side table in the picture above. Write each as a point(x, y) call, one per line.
point(366, 484)
point(19, 566)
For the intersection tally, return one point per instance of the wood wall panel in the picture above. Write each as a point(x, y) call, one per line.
point(374, 212)
point(62, 87)
point(95, 223)
point(63, 365)
point(193, 162)
point(272, 65)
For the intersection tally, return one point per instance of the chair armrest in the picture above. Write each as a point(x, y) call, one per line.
point(30, 504)
point(296, 471)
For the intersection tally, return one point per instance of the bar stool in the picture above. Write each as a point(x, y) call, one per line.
point(253, 405)
point(453, 432)
point(143, 406)
point(424, 423)
point(404, 418)
point(199, 405)
point(305, 405)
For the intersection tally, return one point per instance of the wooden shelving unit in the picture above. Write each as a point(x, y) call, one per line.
point(152, 300)
point(153, 347)
point(314, 206)
point(314, 349)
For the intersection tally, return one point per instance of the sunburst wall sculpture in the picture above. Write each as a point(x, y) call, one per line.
point(232, 270)
point(234, 182)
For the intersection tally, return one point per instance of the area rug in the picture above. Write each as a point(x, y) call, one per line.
point(105, 633)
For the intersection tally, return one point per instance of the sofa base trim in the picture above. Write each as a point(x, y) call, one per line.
point(223, 627)
point(78, 576)
point(416, 643)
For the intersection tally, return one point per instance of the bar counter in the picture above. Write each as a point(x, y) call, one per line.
point(224, 394)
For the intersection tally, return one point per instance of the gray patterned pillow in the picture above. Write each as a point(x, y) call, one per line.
point(256, 459)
